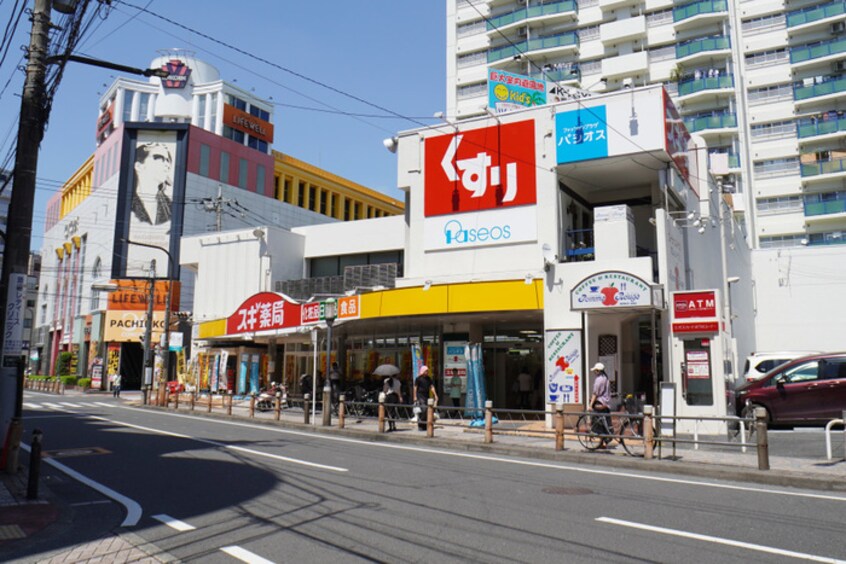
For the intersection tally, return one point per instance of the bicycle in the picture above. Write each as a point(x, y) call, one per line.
point(595, 428)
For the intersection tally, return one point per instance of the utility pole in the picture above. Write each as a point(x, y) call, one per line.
point(18, 236)
point(216, 205)
point(148, 335)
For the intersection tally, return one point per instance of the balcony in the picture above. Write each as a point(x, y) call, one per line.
point(569, 40)
point(814, 127)
point(629, 64)
point(694, 86)
point(832, 85)
point(560, 75)
point(815, 13)
point(694, 13)
point(721, 121)
point(532, 11)
point(818, 51)
point(579, 245)
point(833, 166)
point(835, 205)
point(830, 238)
point(706, 45)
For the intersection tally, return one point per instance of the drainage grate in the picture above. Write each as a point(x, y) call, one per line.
point(558, 490)
point(10, 532)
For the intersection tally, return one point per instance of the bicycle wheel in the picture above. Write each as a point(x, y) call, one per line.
point(584, 428)
point(632, 437)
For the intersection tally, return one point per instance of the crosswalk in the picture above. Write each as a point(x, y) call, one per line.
point(66, 405)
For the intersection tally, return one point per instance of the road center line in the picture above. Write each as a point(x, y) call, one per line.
point(615, 473)
point(133, 509)
point(718, 540)
point(245, 555)
point(180, 526)
point(224, 445)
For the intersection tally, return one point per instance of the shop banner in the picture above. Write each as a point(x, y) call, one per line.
point(223, 371)
point(113, 361)
point(610, 290)
point(242, 374)
point(264, 311)
point(214, 373)
point(254, 373)
point(476, 393)
point(416, 361)
point(454, 359)
point(564, 366)
point(347, 307)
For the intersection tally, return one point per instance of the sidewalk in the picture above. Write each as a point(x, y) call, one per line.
point(21, 520)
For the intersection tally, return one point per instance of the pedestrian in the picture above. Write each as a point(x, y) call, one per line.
point(455, 388)
point(600, 401)
point(393, 395)
point(335, 383)
point(524, 385)
point(116, 386)
point(306, 384)
point(423, 389)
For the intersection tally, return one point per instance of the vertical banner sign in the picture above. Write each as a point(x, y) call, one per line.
point(13, 338)
point(223, 374)
point(242, 374)
point(454, 359)
point(476, 393)
point(564, 362)
point(214, 371)
point(113, 361)
point(254, 373)
point(416, 361)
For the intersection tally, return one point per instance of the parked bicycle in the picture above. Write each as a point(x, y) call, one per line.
point(610, 429)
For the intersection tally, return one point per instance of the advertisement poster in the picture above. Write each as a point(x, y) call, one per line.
point(508, 91)
point(581, 135)
point(564, 365)
point(454, 359)
point(113, 360)
point(698, 366)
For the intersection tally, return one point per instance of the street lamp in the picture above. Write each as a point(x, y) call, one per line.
point(329, 315)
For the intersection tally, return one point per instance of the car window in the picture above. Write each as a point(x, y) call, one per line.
point(766, 365)
point(805, 372)
point(833, 369)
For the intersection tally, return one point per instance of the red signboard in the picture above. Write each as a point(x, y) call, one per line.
point(263, 312)
point(696, 327)
point(695, 304)
point(480, 169)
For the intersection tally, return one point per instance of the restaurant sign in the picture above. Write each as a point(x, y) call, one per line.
point(611, 290)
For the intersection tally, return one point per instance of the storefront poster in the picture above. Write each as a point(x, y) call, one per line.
point(564, 366)
point(97, 376)
point(454, 359)
point(698, 365)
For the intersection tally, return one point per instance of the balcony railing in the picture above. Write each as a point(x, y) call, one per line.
point(701, 45)
point(812, 128)
point(695, 8)
point(579, 245)
point(532, 11)
point(558, 75)
point(815, 13)
point(823, 167)
point(357, 277)
point(734, 161)
point(550, 42)
point(825, 208)
point(721, 121)
point(831, 86)
point(831, 238)
point(811, 52)
point(709, 83)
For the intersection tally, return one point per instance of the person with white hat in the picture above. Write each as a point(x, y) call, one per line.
point(600, 401)
point(424, 387)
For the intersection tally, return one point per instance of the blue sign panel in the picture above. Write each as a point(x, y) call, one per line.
point(581, 135)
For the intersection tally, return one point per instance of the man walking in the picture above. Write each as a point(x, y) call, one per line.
point(600, 401)
point(116, 386)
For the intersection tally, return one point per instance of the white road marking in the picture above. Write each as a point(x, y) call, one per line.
point(53, 405)
point(88, 404)
point(568, 468)
point(102, 501)
point(32, 405)
point(718, 540)
point(133, 509)
point(104, 404)
point(245, 555)
point(180, 526)
point(68, 404)
point(226, 446)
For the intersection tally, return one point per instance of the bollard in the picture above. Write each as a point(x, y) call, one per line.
point(252, 405)
point(306, 408)
point(327, 406)
point(34, 465)
point(430, 418)
point(228, 404)
point(278, 405)
point(176, 401)
point(210, 402)
point(342, 412)
point(488, 421)
point(763, 445)
point(193, 400)
point(559, 426)
point(648, 433)
point(381, 412)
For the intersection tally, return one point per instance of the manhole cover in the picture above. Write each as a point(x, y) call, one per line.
point(83, 451)
point(558, 490)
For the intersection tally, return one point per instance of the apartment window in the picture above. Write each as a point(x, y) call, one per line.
point(237, 102)
point(829, 238)
point(471, 28)
point(127, 105)
point(256, 143)
point(659, 18)
point(754, 25)
point(312, 198)
point(779, 204)
point(243, 170)
point(472, 90)
point(591, 67)
point(472, 59)
point(588, 33)
point(781, 241)
point(233, 134)
point(769, 94)
point(205, 157)
point(259, 113)
point(213, 111)
point(766, 58)
point(143, 107)
point(201, 111)
point(657, 54)
point(224, 167)
point(775, 130)
point(776, 167)
point(260, 179)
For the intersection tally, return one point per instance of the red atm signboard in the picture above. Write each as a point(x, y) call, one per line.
point(697, 305)
point(481, 169)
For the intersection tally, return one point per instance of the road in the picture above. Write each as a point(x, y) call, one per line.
point(216, 491)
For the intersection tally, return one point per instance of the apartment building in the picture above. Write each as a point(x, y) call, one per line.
point(760, 81)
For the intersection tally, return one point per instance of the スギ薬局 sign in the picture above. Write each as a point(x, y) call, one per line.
point(264, 311)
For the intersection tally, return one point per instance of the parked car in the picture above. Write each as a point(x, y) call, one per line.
point(759, 363)
point(806, 389)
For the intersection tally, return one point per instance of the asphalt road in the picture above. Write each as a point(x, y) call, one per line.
point(258, 493)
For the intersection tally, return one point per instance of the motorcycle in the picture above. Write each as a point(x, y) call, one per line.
point(266, 401)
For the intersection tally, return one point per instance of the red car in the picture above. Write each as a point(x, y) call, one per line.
point(807, 389)
point(175, 387)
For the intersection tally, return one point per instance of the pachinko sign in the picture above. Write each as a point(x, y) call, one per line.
point(508, 92)
point(610, 290)
point(563, 359)
point(264, 311)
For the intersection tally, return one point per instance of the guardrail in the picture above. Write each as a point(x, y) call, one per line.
point(828, 427)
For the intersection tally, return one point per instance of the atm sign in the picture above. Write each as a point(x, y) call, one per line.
point(695, 305)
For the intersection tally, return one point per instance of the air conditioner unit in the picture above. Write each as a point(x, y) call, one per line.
point(523, 31)
point(839, 66)
point(838, 28)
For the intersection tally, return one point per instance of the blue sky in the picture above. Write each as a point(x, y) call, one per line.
point(388, 52)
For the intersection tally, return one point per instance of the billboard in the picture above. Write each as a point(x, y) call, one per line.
point(480, 169)
point(132, 295)
point(582, 135)
point(508, 91)
point(151, 198)
point(264, 311)
point(123, 326)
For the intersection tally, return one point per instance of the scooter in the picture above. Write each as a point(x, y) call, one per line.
point(266, 401)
